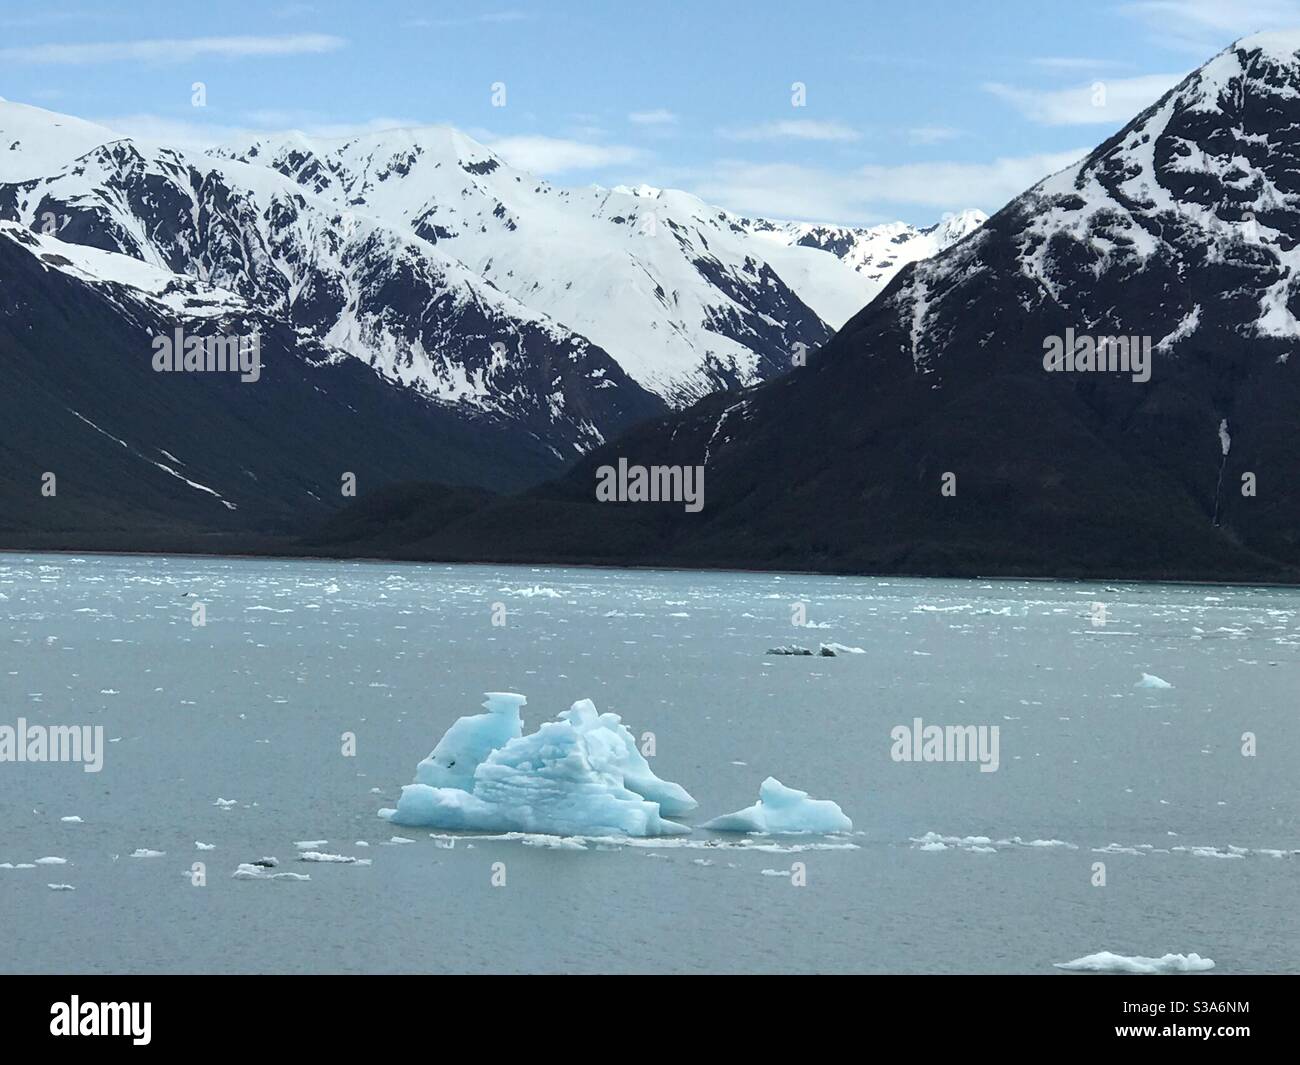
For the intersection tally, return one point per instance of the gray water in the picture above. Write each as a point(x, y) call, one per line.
point(1204, 843)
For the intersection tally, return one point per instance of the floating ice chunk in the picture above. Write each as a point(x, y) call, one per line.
point(205, 846)
point(1150, 680)
point(844, 649)
point(145, 852)
point(401, 839)
point(1106, 962)
point(226, 804)
point(788, 649)
point(249, 871)
point(470, 740)
point(73, 820)
point(337, 859)
point(781, 809)
point(60, 887)
point(578, 775)
point(310, 844)
point(51, 860)
point(776, 872)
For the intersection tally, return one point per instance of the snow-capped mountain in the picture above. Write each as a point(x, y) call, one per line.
point(543, 319)
point(950, 436)
point(574, 311)
point(875, 252)
point(679, 293)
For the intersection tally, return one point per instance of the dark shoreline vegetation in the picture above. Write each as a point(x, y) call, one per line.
point(419, 523)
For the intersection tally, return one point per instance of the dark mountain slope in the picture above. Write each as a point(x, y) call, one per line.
point(80, 399)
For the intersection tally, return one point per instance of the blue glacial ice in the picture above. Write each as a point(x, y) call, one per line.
point(578, 775)
point(470, 740)
point(780, 809)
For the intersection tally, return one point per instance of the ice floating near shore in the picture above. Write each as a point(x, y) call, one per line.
point(1106, 962)
point(780, 809)
point(1150, 680)
point(581, 774)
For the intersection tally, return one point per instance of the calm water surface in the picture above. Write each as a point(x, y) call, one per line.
point(1201, 845)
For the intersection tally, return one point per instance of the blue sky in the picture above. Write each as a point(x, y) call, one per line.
point(913, 107)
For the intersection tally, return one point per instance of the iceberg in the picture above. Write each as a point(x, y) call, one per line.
point(1150, 680)
point(580, 774)
point(780, 809)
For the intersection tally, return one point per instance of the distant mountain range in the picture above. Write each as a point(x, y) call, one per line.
point(514, 324)
point(1101, 380)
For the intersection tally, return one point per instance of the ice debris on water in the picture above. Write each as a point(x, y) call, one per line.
point(252, 871)
point(1107, 962)
point(1150, 680)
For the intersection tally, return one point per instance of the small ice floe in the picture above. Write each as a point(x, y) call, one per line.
point(51, 860)
point(205, 846)
point(1214, 852)
point(842, 649)
point(780, 809)
point(145, 852)
point(251, 871)
point(401, 839)
point(310, 844)
point(1115, 848)
point(72, 820)
point(360, 843)
point(266, 862)
point(226, 804)
point(335, 859)
point(60, 887)
point(933, 841)
point(701, 861)
point(1106, 962)
point(1150, 680)
point(789, 649)
point(536, 591)
point(776, 872)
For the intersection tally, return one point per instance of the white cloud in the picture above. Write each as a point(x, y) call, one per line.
point(490, 18)
point(658, 117)
point(1205, 27)
point(1060, 62)
point(793, 129)
point(556, 155)
point(197, 136)
point(925, 135)
point(1106, 101)
point(175, 50)
point(817, 195)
